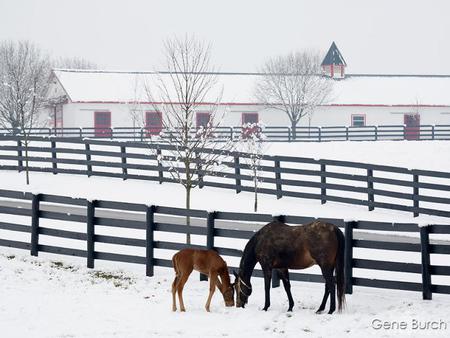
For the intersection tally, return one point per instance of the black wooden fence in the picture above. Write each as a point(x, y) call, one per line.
point(271, 133)
point(374, 186)
point(96, 214)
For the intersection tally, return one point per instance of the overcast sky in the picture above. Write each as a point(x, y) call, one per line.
point(383, 36)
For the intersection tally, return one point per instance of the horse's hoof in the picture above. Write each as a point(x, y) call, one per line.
point(290, 309)
point(318, 312)
point(183, 310)
point(330, 312)
point(265, 308)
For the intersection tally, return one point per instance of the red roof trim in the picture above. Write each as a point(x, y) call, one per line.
point(261, 104)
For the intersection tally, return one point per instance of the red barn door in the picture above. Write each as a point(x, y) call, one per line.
point(412, 126)
point(102, 123)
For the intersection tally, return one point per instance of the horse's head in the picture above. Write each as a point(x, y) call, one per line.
point(228, 296)
point(243, 290)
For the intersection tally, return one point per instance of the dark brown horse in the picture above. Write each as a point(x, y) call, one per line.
point(282, 247)
point(207, 262)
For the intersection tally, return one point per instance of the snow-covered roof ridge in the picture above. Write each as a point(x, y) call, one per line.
point(348, 75)
point(356, 89)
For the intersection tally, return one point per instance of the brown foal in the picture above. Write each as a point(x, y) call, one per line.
point(207, 262)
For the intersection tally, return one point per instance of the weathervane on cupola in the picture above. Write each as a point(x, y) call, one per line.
point(333, 65)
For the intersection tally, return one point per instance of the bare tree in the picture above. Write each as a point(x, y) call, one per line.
point(134, 106)
point(24, 73)
point(189, 86)
point(293, 84)
point(252, 142)
point(74, 63)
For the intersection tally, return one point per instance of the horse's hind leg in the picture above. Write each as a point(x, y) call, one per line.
point(181, 282)
point(174, 291)
point(267, 279)
point(330, 289)
point(324, 300)
point(284, 275)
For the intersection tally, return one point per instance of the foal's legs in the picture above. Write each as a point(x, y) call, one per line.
point(183, 279)
point(284, 275)
point(174, 291)
point(212, 287)
point(267, 279)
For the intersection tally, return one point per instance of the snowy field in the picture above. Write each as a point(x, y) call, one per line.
point(59, 297)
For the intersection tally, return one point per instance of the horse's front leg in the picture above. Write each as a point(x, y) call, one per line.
point(212, 287)
point(267, 281)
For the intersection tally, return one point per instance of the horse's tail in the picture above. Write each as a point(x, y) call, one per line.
point(175, 264)
point(340, 278)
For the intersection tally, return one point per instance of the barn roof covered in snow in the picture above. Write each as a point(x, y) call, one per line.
point(238, 88)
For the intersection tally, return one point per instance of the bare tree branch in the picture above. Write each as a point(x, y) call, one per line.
point(293, 84)
point(189, 86)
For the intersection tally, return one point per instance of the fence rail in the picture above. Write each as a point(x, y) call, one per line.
point(97, 214)
point(271, 133)
point(370, 185)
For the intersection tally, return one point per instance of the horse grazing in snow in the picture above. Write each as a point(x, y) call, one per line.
point(282, 247)
point(207, 262)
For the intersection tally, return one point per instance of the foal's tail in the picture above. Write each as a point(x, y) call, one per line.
point(340, 279)
point(175, 264)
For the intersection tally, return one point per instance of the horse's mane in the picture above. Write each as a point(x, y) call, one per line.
point(248, 260)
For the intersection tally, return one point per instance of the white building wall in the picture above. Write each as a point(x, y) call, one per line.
point(82, 115)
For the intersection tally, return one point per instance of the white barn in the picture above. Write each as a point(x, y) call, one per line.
point(104, 99)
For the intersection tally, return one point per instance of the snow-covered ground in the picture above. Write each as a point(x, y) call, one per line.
point(56, 296)
point(42, 297)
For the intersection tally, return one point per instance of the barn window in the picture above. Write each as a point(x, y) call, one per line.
point(358, 120)
point(153, 122)
point(249, 121)
point(249, 118)
point(203, 119)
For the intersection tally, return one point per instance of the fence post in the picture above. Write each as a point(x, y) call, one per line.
point(90, 222)
point(432, 132)
point(237, 172)
point(278, 179)
point(88, 159)
point(425, 253)
point(416, 195)
point(160, 170)
point(149, 244)
point(54, 164)
point(210, 223)
point(348, 256)
point(323, 181)
point(376, 133)
point(370, 195)
point(19, 156)
point(346, 133)
point(320, 134)
point(123, 155)
point(35, 224)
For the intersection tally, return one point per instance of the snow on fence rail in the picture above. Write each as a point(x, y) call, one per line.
point(271, 133)
point(217, 230)
point(374, 186)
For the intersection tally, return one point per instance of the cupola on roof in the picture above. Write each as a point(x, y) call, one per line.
point(333, 57)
